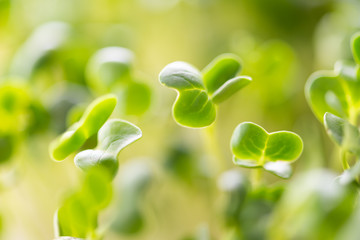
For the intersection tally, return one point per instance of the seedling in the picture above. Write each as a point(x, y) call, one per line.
point(335, 100)
point(77, 217)
point(198, 93)
point(254, 147)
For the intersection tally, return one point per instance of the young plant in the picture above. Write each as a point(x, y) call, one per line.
point(110, 70)
point(77, 217)
point(254, 147)
point(198, 93)
point(335, 100)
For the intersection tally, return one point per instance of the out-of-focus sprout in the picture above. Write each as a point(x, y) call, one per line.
point(44, 41)
point(94, 117)
point(21, 115)
point(198, 93)
point(253, 147)
point(110, 70)
point(235, 185)
point(135, 179)
point(334, 99)
point(77, 217)
point(314, 206)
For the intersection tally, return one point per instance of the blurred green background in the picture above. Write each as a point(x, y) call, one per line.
point(281, 42)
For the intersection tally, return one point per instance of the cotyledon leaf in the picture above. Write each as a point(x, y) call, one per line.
point(194, 108)
point(253, 146)
point(94, 117)
point(181, 76)
point(112, 138)
point(229, 88)
point(220, 70)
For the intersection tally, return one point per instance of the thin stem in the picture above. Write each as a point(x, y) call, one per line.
point(212, 147)
point(256, 177)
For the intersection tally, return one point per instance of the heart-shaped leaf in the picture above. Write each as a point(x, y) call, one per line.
point(252, 146)
point(193, 108)
point(94, 117)
point(195, 103)
point(346, 135)
point(112, 138)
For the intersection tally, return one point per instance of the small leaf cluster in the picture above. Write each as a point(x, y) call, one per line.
point(199, 92)
point(77, 217)
point(254, 147)
point(334, 98)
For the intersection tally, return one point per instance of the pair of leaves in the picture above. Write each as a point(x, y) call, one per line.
point(254, 147)
point(113, 136)
point(199, 92)
point(110, 69)
point(337, 92)
point(92, 120)
point(77, 217)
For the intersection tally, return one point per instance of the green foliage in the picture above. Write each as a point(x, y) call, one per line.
point(252, 146)
point(112, 138)
point(110, 70)
point(336, 92)
point(77, 217)
point(198, 93)
point(94, 117)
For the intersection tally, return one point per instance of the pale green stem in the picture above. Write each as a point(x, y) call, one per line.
point(212, 147)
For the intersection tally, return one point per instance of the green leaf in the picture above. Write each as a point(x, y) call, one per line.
point(343, 133)
point(193, 108)
point(229, 88)
point(134, 98)
point(252, 146)
point(94, 117)
point(112, 138)
point(181, 76)
point(77, 216)
point(220, 70)
point(195, 105)
point(325, 93)
point(108, 67)
point(355, 47)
